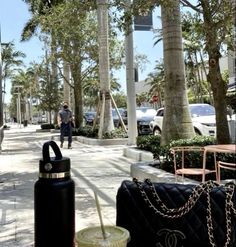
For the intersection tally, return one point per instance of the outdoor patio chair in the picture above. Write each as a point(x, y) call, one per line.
point(188, 160)
point(224, 165)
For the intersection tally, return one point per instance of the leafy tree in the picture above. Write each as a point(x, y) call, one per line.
point(216, 28)
point(78, 48)
point(156, 80)
point(194, 58)
point(141, 98)
point(48, 101)
point(121, 99)
point(34, 71)
point(38, 9)
point(20, 84)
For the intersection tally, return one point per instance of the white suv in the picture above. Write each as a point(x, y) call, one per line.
point(203, 118)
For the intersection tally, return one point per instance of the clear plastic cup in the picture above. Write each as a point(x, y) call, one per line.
point(93, 237)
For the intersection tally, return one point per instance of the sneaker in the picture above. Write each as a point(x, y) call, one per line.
point(69, 146)
point(61, 145)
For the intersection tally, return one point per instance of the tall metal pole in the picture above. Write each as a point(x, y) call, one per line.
point(1, 101)
point(66, 86)
point(18, 104)
point(130, 84)
point(18, 116)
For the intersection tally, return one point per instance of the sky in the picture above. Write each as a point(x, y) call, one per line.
point(14, 14)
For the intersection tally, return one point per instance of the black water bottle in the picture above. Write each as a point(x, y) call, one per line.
point(54, 200)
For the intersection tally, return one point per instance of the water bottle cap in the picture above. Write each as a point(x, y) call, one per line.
point(57, 164)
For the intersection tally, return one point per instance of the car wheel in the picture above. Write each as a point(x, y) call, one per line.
point(197, 132)
point(156, 132)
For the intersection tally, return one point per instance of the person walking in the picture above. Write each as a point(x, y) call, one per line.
point(65, 123)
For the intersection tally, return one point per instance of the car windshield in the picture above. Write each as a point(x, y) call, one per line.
point(202, 110)
point(145, 112)
point(114, 112)
point(90, 114)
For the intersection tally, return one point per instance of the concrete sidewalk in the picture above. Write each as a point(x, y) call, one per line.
point(93, 168)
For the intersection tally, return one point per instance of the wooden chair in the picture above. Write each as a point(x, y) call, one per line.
point(184, 165)
point(224, 165)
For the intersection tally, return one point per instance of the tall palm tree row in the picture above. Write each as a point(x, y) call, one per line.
point(173, 51)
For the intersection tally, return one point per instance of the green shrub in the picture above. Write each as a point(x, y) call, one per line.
point(148, 142)
point(47, 126)
point(88, 131)
point(195, 141)
point(116, 133)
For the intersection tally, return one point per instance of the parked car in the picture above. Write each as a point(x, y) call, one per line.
point(89, 117)
point(143, 115)
point(116, 119)
point(203, 118)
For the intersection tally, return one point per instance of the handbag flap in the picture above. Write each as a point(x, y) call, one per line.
point(140, 213)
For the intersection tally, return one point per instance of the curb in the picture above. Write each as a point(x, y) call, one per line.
point(137, 154)
point(102, 142)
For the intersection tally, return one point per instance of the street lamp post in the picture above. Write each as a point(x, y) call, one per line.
point(18, 104)
point(130, 84)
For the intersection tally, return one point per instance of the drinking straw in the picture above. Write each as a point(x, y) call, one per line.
point(100, 215)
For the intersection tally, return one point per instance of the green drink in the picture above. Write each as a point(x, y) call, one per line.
point(93, 237)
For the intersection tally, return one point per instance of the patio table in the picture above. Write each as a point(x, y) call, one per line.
point(220, 148)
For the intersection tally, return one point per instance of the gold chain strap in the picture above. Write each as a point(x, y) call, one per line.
point(193, 198)
point(173, 213)
point(229, 188)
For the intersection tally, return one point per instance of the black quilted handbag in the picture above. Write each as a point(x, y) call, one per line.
point(177, 215)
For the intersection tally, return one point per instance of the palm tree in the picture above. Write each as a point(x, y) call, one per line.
point(106, 121)
point(10, 59)
point(156, 80)
point(177, 123)
point(39, 8)
point(20, 86)
point(34, 71)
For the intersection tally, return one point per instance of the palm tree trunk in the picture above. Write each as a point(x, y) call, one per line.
point(104, 69)
point(177, 123)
